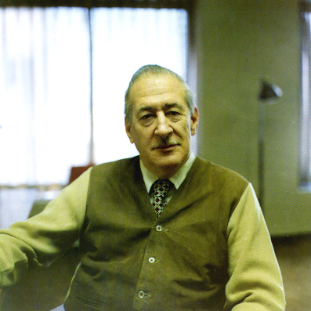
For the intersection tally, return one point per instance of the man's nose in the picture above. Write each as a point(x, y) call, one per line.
point(163, 126)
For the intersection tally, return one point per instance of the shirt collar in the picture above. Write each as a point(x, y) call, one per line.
point(177, 179)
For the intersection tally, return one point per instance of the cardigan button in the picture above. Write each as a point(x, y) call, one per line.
point(159, 228)
point(141, 294)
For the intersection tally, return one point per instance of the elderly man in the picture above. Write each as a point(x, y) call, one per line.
point(163, 231)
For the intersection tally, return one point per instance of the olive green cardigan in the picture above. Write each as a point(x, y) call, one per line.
point(136, 261)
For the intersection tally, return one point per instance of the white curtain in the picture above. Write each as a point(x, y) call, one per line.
point(124, 40)
point(46, 90)
point(44, 94)
point(45, 83)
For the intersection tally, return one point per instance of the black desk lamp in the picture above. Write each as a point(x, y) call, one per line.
point(268, 93)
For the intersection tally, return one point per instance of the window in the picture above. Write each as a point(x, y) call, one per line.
point(57, 65)
point(47, 86)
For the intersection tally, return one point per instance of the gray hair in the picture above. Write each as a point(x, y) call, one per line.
point(155, 69)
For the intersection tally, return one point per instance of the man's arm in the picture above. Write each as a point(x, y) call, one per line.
point(255, 280)
point(40, 239)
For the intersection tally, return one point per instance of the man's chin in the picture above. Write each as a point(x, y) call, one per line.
point(168, 164)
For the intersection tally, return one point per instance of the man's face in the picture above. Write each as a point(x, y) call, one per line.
point(161, 124)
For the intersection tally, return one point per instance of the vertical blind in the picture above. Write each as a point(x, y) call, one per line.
point(47, 87)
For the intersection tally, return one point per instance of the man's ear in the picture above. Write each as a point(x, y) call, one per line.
point(128, 127)
point(194, 121)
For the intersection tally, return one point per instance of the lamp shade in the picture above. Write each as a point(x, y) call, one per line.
point(269, 91)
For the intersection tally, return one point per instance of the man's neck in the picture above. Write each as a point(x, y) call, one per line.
point(176, 179)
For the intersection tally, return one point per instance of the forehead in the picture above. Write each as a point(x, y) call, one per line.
point(157, 88)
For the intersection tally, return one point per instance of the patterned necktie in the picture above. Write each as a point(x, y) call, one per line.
point(160, 188)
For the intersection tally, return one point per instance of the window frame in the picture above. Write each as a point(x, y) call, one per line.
point(305, 98)
point(174, 4)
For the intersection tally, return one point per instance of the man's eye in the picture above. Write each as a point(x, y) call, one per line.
point(146, 117)
point(173, 113)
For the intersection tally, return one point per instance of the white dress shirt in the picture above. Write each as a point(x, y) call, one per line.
point(176, 180)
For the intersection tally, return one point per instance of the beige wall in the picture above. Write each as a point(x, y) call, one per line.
point(239, 43)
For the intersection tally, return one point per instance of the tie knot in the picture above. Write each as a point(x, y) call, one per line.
point(160, 189)
point(162, 186)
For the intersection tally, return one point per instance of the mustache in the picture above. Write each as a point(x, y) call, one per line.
point(165, 142)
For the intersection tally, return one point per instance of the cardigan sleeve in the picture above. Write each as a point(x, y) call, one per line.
point(42, 238)
point(255, 280)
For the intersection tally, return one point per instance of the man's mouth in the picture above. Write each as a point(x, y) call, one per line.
point(166, 145)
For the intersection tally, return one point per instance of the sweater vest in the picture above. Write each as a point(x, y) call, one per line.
point(132, 260)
